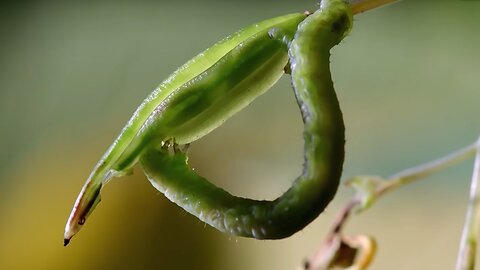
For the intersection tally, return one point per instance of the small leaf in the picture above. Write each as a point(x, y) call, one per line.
point(367, 188)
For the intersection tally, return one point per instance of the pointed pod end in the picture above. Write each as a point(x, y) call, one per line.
point(88, 198)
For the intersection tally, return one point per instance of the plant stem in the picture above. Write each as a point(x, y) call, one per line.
point(359, 6)
point(468, 242)
point(416, 173)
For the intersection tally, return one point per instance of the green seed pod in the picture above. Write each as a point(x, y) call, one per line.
point(194, 100)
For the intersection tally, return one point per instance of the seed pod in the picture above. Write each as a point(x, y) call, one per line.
point(194, 100)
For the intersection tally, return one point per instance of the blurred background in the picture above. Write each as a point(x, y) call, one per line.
point(72, 73)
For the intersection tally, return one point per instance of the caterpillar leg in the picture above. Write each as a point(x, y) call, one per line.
point(284, 38)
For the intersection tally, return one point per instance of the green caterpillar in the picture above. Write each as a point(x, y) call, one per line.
point(309, 54)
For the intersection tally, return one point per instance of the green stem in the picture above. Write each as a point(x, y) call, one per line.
point(468, 243)
point(416, 173)
point(359, 6)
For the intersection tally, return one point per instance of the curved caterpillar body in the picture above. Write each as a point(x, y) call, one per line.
point(309, 54)
point(194, 100)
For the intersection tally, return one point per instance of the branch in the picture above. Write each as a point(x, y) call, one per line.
point(416, 173)
point(359, 6)
point(468, 243)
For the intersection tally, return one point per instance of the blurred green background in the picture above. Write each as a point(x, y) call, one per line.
point(71, 74)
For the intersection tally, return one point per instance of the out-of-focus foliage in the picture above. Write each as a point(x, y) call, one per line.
point(71, 74)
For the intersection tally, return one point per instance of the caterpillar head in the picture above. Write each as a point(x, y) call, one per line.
point(339, 16)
